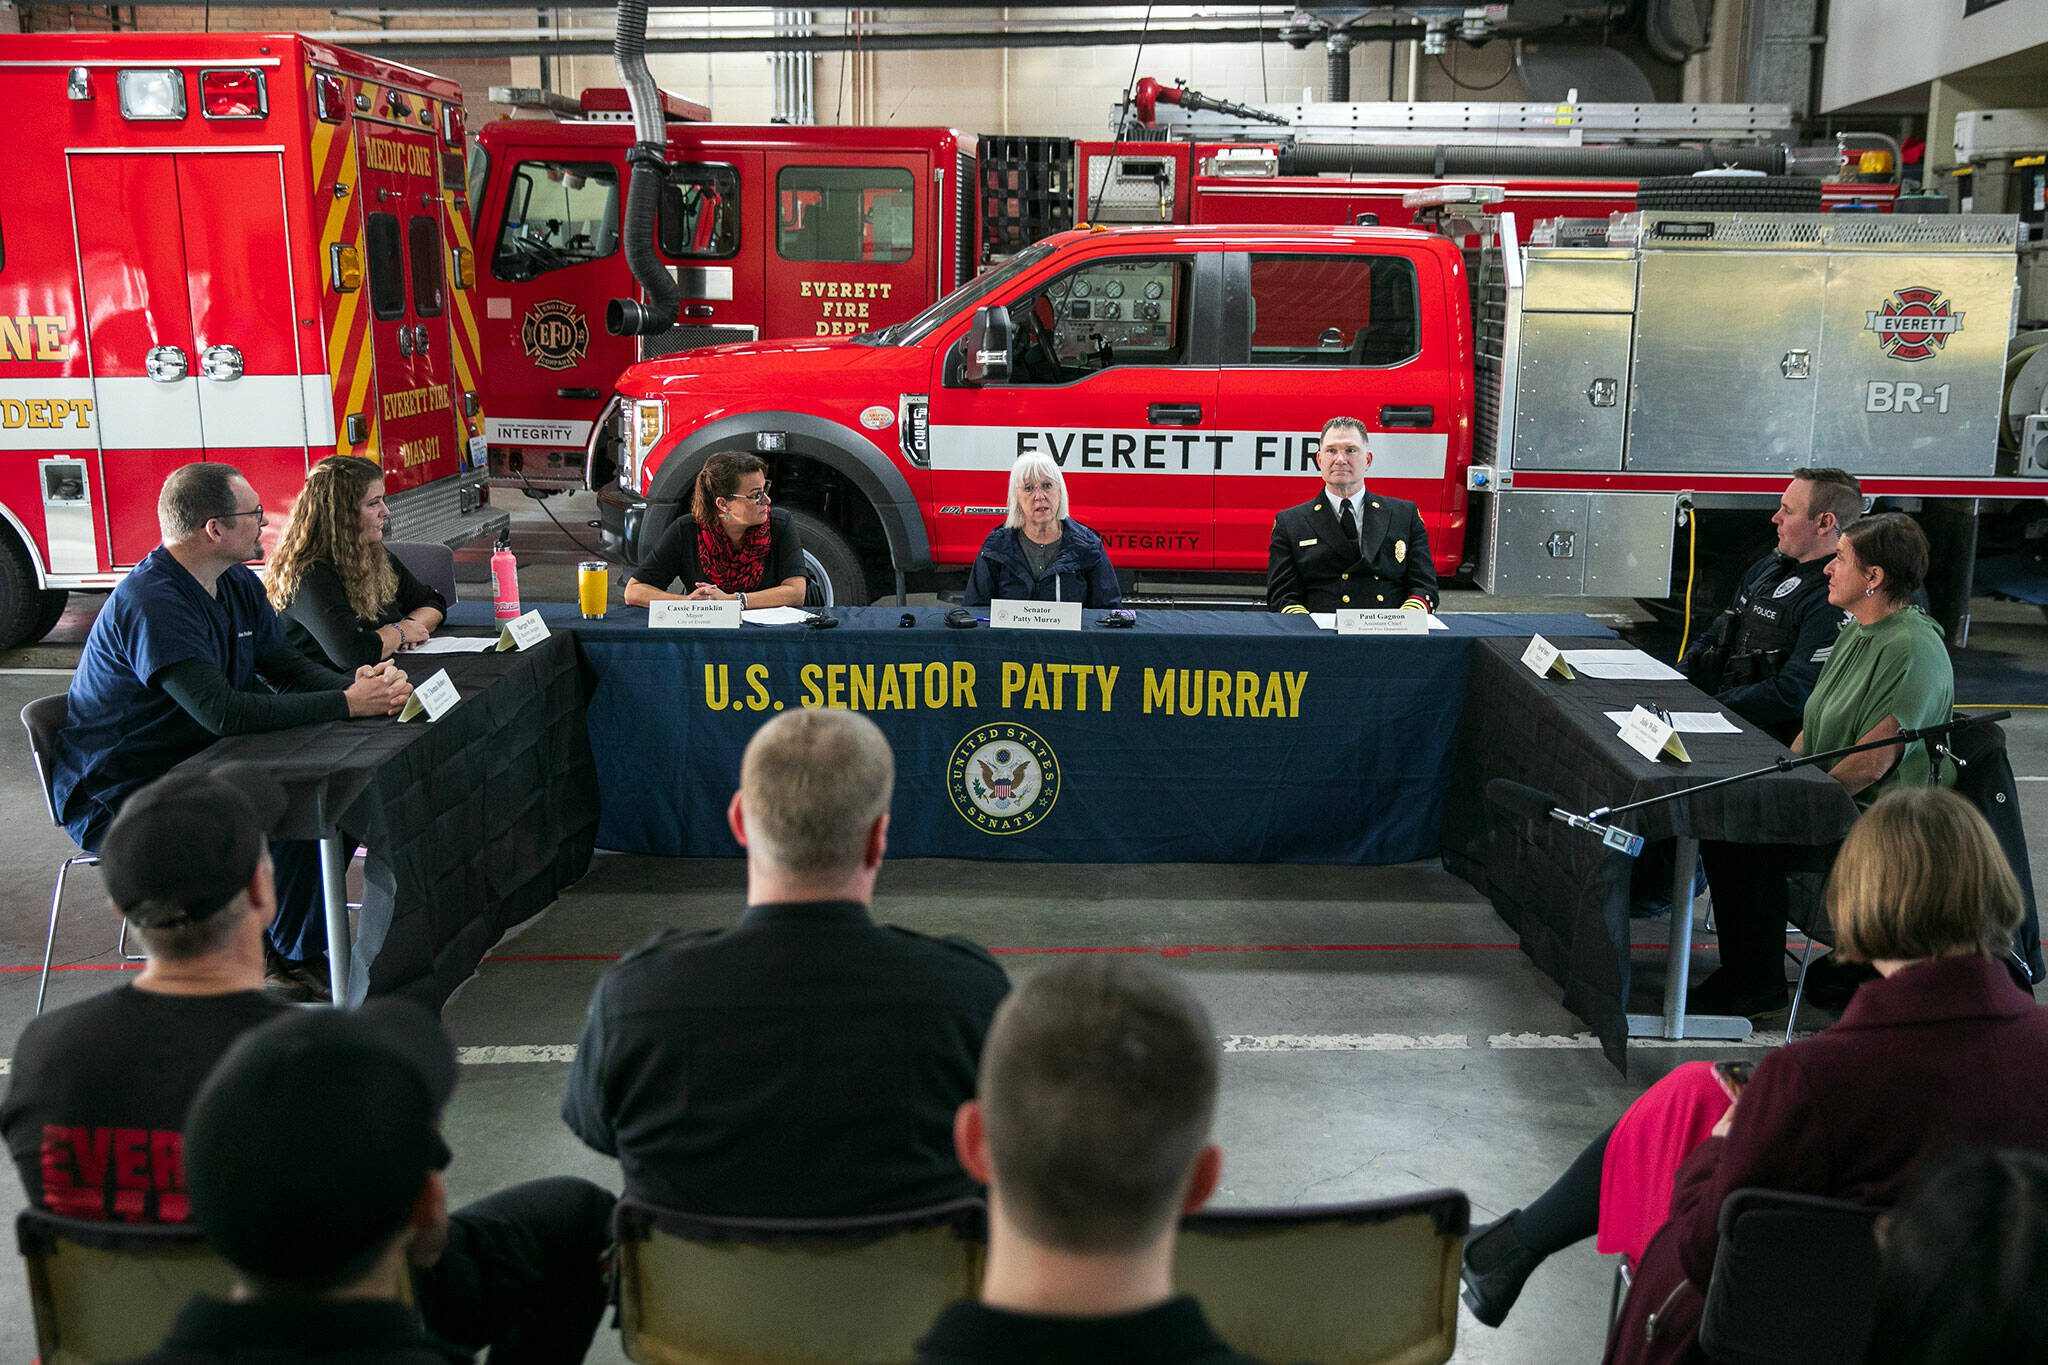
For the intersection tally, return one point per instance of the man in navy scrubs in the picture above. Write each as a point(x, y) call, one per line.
point(185, 650)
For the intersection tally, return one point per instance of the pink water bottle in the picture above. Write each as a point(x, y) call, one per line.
point(504, 581)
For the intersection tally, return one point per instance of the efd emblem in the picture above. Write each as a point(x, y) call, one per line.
point(1913, 323)
point(1003, 778)
point(554, 335)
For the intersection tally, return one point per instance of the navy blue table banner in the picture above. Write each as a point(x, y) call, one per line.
point(1194, 737)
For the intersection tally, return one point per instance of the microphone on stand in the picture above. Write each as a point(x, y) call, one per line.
point(1532, 804)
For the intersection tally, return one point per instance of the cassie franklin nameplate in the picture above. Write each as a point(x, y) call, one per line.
point(683, 613)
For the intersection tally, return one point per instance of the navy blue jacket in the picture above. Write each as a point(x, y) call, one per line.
point(1080, 572)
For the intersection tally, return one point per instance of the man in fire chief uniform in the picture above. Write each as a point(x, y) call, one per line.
point(1349, 546)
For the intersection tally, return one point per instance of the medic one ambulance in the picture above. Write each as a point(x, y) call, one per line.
point(251, 248)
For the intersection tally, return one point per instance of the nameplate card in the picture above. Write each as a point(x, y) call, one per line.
point(1651, 736)
point(1019, 615)
point(522, 632)
point(683, 613)
point(434, 698)
point(1542, 659)
point(1358, 622)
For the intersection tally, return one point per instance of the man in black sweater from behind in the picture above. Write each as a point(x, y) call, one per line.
point(1098, 1087)
point(807, 1062)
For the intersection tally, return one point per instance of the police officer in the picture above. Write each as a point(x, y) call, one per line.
point(1349, 546)
point(1762, 656)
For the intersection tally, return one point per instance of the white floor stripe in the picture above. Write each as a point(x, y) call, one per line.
point(1346, 1042)
point(52, 673)
point(558, 1053)
point(505, 1056)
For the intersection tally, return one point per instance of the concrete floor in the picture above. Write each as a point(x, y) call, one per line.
point(1428, 1103)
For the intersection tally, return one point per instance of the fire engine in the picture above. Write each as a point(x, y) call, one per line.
point(781, 231)
point(771, 231)
point(1623, 375)
point(241, 247)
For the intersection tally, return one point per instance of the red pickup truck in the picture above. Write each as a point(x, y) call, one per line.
point(1178, 376)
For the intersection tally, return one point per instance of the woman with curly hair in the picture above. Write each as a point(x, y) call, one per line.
point(346, 599)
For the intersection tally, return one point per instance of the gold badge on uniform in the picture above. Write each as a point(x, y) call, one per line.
point(1400, 552)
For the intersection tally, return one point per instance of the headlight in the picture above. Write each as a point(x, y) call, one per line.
point(644, 427)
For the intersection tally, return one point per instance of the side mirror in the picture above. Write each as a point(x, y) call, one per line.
point(988, 346)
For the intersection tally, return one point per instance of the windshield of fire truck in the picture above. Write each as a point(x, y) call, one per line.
point(557, 214)
point(918, 328)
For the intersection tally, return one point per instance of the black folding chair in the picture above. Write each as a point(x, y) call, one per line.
point(1795, 1280)
point(43, 718)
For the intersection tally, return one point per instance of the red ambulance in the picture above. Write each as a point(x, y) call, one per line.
point(251, 248)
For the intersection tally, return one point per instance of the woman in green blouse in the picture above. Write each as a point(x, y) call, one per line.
point(1888, 671)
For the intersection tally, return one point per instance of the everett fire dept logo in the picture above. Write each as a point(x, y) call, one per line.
point(1913, 323)
point(555, 334)
point(1003, 778)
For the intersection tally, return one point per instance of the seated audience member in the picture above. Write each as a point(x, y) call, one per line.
point(730, 545)
point(185, 862)
point(314, 1158)
point(1889, 671)
point(1348, 546)
point(1091, 1130)
point(1921, 892)
point(806, 1062)
point(1039, 553)
point(346, 599)
point(1964, 1261)
point(179, 655)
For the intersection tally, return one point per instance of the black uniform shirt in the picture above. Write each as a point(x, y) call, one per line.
point(805, 1063)
point(297, 1328)
point(1312, 566)
point(1171, 1333)
point(1772, 640)
point(95, 1110)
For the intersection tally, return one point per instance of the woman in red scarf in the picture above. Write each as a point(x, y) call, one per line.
point(733, 544)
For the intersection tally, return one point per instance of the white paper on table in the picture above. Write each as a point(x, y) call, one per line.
point(1628, 665)
point(1691, 722)
point(1328, 620)
point(775, 616)
point(455, 644)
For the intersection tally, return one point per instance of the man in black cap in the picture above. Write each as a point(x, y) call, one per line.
point(97, 1099)
point(96, 1109)
point(314, 1156)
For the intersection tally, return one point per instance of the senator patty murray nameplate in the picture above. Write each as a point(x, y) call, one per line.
point(1019, 615)
point(684, 614)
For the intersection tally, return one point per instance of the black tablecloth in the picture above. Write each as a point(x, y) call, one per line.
point(1564, 893)
point(472, 823)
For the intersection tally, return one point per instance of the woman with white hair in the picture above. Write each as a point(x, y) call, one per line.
point(1039, 553)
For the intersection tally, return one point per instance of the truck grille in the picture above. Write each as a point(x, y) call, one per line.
point(689, 338)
